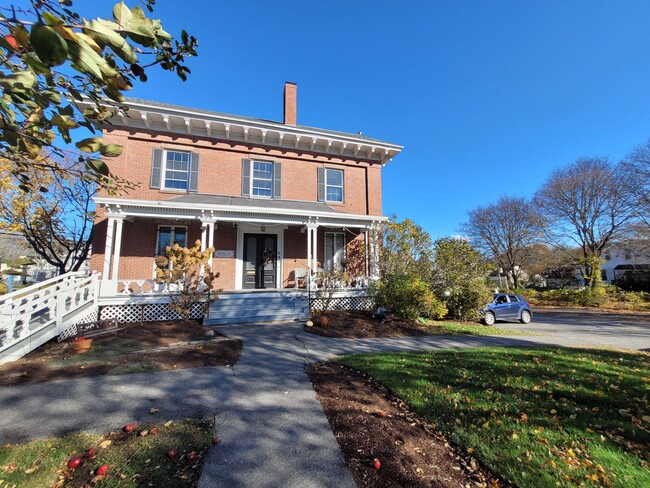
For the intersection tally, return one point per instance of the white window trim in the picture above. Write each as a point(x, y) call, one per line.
point(163, 185)
point(252, 178)
point(335, 186)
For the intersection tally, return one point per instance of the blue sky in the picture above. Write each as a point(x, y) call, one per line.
point(488, 97)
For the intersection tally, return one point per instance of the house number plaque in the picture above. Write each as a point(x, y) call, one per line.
point(224, 254)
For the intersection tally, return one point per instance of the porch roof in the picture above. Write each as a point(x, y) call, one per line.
point(207, 207)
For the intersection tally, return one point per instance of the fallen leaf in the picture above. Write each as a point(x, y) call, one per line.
point(143, 433)
point(105, 444)
point(168, 423)
point(153, 410)
point(30, 470)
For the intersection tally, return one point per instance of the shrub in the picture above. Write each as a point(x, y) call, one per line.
point(3, 288)
point(408, 297)
point(466, 300)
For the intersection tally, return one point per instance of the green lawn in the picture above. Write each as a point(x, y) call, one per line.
point(541, 417)
point(456, 328)
point(133, 459)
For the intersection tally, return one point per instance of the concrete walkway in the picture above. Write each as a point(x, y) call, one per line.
point(273, 429)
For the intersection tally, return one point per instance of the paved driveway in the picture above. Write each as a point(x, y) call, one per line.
point(590, 328)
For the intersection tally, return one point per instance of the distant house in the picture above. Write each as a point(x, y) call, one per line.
point(626, 265)
point(277, 200)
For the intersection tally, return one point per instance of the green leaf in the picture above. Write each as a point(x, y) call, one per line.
point(110, 150)
point(51, 19)
point(49, 46)
point(18, 81)
point(90, 144)
point(84, 60)
point(98, 166)
point(63, 121)
point(121, 13)
point(104, 35)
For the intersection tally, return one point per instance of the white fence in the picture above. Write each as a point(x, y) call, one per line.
point(31, 316)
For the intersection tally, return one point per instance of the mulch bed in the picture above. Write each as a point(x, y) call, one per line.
point(56, 360)
point(370, 423)
point(353, 324)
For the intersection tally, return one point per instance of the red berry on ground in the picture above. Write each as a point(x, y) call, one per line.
point(377, 464)
point(74, 463)
point(171, 454)
point(89, 453)
point(129, 427)
point(191, 456)
point(102, 470)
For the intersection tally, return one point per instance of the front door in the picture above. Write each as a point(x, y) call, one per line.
point(260, 260)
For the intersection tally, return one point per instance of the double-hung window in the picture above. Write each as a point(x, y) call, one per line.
point(334, 251)
point(333, 185)
point(330, 185)
point(262, 180)
point(174, 170)
point(177, 170)
point(168, 236)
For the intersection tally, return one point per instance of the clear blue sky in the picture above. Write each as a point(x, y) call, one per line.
point(488, 97)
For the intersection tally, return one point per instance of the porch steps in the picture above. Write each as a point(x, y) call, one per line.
point(262, 306)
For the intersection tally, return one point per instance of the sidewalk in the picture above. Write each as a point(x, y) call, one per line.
point(273, 430)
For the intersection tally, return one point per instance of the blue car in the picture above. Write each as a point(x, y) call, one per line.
point(507, 307)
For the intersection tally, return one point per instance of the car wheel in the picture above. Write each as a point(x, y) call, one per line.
point(525, 317)
point(488, 318)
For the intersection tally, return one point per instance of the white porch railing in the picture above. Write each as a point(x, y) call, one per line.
point(33, 315)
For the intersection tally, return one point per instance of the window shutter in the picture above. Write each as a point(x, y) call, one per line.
point(156, 168)
point(321, 184)
point(277, 180)
point(194, 173)
point(342, 186)
point(245, 177)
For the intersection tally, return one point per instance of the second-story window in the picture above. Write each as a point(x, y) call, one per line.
point(177, 170)
point(333, 185)
point(174, 170)
point(262, 180)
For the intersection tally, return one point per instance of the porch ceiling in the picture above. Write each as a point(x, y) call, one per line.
point(205, 207)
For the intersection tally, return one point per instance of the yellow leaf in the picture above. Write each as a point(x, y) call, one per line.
point(553, 411)
point(168, 423)
point(105, 444)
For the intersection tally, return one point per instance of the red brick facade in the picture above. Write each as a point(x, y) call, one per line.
point(220, 173)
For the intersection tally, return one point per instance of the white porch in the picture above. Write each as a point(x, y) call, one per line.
point(219, 215)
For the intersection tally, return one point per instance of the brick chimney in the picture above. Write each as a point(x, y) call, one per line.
point(290, 103)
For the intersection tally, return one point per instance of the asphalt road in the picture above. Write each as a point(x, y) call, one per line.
point(590, 328)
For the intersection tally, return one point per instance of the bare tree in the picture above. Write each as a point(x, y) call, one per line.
point(503, 231)
point(636, 176)
point(56, 221)
point(586, 205)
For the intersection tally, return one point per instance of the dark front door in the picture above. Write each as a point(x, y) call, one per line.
point(260, 251)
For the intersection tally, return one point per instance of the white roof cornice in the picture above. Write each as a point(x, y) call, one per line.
point(143, 114)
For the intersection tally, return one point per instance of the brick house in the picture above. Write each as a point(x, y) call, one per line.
point(278, 201)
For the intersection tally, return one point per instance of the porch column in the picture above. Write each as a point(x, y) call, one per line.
point(309, 250)
point(207, 235)
point(312, 247)
point(118, 249)
point(374, 254)
point(314, 242)
point(108, 248)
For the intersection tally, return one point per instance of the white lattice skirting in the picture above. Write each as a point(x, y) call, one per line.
point(341, 303)
point(147, 312)
point(71, 331)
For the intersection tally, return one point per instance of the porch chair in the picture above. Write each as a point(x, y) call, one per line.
point(300, 276)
